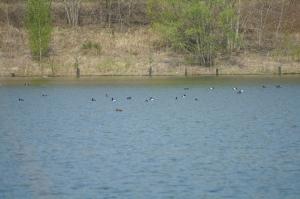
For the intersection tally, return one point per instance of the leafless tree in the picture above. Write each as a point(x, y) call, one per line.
point(108, 7)
point(237, 26)
point(72, 8)
point(280, 19)
point(263, 14)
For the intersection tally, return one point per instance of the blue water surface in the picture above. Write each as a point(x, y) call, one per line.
point(224, 145)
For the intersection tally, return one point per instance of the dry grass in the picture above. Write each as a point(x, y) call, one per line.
point(121, 53)
point(129, 53)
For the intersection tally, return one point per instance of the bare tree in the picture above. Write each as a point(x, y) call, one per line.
point(130, 6)
point(9, 34)
point(72, 8)
point(120, 17)
point(263, 14)
point(280, 19)
point(108, 6)
point(237, 25)
point(7, 11)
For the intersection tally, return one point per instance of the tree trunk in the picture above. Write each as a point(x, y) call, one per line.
point(108, 13)
point(280, 20)
point(7, 13)
point(237, 26)
point(8, 35)
point(120, 15)
point(129, 11)
point(260, 28)
point(72, 9)
point(263, 18)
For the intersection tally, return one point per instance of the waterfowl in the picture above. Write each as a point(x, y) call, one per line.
point(146, 100)
point(263, 86)
point(119, 110)
point(151, 99)
point(128, 98)
point(113, 99)
point(176, 98)
point(235, 88)
point(196, 99)
point(44, 95)
point(278, 86)
point(211, 88)
point(93, 99)
point(184, 96)
point(21, 100)
point(186, 88)
point(240, 91)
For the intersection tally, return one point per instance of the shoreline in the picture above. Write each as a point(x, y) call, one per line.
point(149, 76)
point(146, 77)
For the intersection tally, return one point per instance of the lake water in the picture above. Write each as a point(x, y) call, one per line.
point(225, 145)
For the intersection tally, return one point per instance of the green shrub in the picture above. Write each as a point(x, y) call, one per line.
point(39, 27)
point(201, 29)
point(89, 45)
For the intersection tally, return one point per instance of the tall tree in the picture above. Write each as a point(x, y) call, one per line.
point(39, 27)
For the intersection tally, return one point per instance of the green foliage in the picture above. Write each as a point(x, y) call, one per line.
point(296, 53)
point(89, 45)
point(38, 23)
point(201, 29)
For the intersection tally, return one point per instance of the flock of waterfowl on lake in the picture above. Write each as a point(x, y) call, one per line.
point(149, 99)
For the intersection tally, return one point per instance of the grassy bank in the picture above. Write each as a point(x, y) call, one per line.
point(100, 51)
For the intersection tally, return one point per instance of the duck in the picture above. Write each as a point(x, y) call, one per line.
point(119, 110)
point(151, 99)
point(44, 95)
point(186, 89)
point(196, 99)
point(184, 96)
point(21, 100)
point(113, 99)
point(176, 98)
point(235, 88)
point(240, 91)
point(93, 99)
point(128, 98)
point(211, 88)
point(263, 86)
point(278, 86)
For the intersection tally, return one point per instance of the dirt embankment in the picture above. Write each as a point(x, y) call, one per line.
point(98, 51)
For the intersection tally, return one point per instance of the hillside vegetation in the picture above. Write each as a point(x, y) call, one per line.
point(127, 37)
